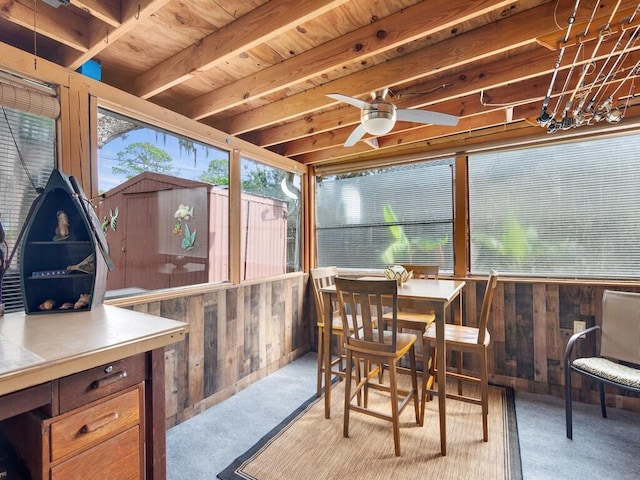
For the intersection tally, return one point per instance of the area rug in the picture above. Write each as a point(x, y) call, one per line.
point(306, 446)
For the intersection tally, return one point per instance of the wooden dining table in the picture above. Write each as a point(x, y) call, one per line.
point(438, 293)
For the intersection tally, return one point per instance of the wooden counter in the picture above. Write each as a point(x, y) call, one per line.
point(38, 350)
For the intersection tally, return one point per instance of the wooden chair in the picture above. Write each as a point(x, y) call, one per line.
point(324, 277)
point(417, 317)
point(361, 302)
point(619, 342)
point(466, 339)
point(423, 271)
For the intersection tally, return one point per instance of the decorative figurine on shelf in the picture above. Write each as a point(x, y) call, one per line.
point(83, 301)
point(88, 265)
point(48, 304)
point(62, 230)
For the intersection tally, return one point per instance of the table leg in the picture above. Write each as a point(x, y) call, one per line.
point(328, 325)
point(458, 320)
point(441, 359)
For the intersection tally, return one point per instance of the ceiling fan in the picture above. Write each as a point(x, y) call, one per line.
point(379, 116)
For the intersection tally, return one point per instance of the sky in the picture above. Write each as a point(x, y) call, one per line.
point(186, 165)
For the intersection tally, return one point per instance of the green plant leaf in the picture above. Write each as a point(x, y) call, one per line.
point(390, 217)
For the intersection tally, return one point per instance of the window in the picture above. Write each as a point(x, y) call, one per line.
point(27, 157)
point(271, 219)
point(164, 206)
point(391, 216)
point(563, 210)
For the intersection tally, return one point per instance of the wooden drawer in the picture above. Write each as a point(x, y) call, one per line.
point(117, 458)
point(94, 424)
point(85, 387)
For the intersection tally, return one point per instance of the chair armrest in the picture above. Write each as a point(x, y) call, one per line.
point(572, 341)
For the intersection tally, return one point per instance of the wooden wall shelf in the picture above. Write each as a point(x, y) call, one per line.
point(62, 231)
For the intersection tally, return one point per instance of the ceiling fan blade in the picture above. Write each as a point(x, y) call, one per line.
point(350, 100)
point(372, 142)
point(356, 135)
point(426, 116)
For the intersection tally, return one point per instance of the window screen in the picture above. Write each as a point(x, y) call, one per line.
point(271, 218)
point(164, 206)
point(562, 210)
point(379, 218)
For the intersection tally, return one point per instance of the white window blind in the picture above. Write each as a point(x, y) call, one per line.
point(390, 216)
point(27, 157)
point(567, 210)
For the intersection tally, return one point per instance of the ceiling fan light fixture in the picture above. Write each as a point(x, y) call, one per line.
point(380, 119)
point(378, 126)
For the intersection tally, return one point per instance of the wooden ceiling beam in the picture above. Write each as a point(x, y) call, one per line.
point(473, 46)
point(459, 84)
point(525, 95)
point(105, 11)
point(437, 148)
point(102, 34)
point(250, 30)
point(412, 23)
point(497, 136)
point(534, 70)
point(583, 33)
point(420, 134)
point(59, 24)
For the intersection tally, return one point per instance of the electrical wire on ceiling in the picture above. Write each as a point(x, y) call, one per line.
point(592, 96)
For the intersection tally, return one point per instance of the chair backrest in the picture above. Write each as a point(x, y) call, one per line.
point(322, 277)
point(361, 304)
point(620, 337)
point(423, 271)
point(483, 321)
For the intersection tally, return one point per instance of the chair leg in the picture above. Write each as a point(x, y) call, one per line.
point(567, 402)
point(367, 368)
point(320, 360)
point(394, 406)
point(414, 383)
point(341, 354)
point(484, 393)
point(359, 366)
point(428, 376)
point(347, 395)
point(603, 405)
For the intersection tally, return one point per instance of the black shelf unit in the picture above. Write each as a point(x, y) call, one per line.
point(45, 256)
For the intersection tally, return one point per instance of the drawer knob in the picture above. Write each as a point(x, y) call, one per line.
point(106, 381)
point(99, 423)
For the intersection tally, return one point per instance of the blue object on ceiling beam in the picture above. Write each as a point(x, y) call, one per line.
point(92, 69)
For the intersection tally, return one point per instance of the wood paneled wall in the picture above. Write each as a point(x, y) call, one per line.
point(237, 335)
point(240, 334)
point(530, 325)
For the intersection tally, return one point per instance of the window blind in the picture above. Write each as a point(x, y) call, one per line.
point(27, 156)
point(387, 216)
point(566, 210)
point(27, 96)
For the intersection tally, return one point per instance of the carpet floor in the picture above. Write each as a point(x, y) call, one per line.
point(203, 446)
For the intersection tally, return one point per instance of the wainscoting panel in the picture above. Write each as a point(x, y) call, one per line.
point(239, 334)
point(530, 325)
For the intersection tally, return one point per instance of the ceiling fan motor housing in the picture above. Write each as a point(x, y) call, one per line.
point(379, 118)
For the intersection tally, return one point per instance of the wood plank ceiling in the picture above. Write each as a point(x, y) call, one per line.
point(260, 70)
